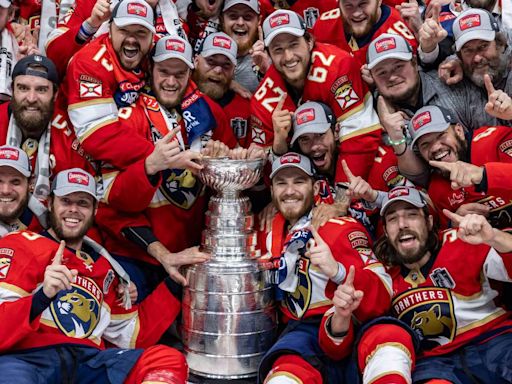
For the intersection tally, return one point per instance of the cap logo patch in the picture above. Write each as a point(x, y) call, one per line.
point(469, 21)
point(421, 120)
point(222, 42)
point(292, 158)
point(305, 116)
point(9, 154)
point(78, 178)
point(38, 58)
point(137, 9)
point(397, 192)
point(279, 20)
point(175, 45)
point(385, 44)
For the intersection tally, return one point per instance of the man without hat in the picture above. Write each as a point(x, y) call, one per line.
point(308, 265)
point(436, 316)
point(36, 121)
point(469, 169)
point(61, 292)
point(305, 70)
point(214, 68)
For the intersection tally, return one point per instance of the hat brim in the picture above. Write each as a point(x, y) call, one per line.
point(289, 165)
point(126, 20)
point(432, 129)
point(310, 128)
point(20, 169)
point(170, 55)
point(244, 2)
point(401, 198)
point(64, 191)
point(214, 51)
point(405, 56)
point(291, 30)
point(477, 34)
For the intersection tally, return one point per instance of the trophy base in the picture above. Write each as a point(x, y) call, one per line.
point(193, 379)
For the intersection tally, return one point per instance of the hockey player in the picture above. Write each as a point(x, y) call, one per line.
point(62, 298)
point(305, 70)
point(355, 23)
point(311, 264)
point(214, 68)
point(106, 76)
point(203, 18)
point(441, 298)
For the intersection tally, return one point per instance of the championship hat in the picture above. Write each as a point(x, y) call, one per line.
point(473, 24)
point(134, 12)
point(429, 119)
point(220, 44)
point(28, 66)
point(311, 117)
point(292, 159)
point(74, 180)
point(282, 21)
point(388, 46)
point(173, 47)
point(15, 158)
point(253, 4)
point(408, 194)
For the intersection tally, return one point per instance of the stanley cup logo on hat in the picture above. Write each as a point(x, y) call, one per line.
point(291, 158)
point(398, 192)
point(385, 44)
point(10, 154)
point(221, 41)
point(78, 178)
point(421, 120)
point(469, 21)
point(137, 9)
point(305, 116)
point(279, 20)
point(175, 45)
point(38, 58)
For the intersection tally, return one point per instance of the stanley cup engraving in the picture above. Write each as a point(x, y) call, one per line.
point(229, 318)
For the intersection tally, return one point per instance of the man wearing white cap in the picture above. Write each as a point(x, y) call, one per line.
point(62, 294)
point(308, 265)
point(213, 73)
point(470, 169)
point(304, 70)
point(14, 190)
point(177, 120)
point(449, 329)
point(106, 76)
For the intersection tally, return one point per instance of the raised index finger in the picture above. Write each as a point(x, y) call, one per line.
point(348, 172)
point(443, 165)
point(260, 33)
point(488, 84)
point(435, 11)
point(452, 215)
point(57, 259)
point(350, 277)
point(316, 236)
point(281, 101)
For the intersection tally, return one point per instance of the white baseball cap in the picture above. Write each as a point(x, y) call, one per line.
point(15, 158)
point(474, 24)
point(220, 44)
point(74, 180)
point(253, 4)
point(408, 194)
point(311, 117)
point(173, 47)
point(388, 46)
point(134, 12)
point(282, 21)
point(295, 160)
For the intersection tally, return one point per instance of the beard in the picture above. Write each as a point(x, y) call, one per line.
point(497, 70)
point(32, 126)
point(16, 213)
point(409, 256)
point(56, 225)
point(292, 215)
point(247, 44)
point(211, 89)
point(358, 32)
point(167, 103)
point(405, 98)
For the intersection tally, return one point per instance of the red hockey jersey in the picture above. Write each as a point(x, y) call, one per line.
point(329, 29)
point(87, 314)
point(334, 79)
point(490, 147)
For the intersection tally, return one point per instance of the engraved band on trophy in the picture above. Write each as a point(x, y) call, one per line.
point(229, 318)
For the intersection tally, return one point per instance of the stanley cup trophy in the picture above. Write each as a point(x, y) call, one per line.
point(229, 318)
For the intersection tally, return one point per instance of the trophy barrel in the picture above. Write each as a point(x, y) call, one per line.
point(229, 318)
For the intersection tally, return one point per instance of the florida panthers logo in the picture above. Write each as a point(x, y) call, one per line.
point(429, 312)
point(76, 312)
point(181, 187)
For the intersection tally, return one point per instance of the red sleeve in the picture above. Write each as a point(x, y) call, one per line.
point(334, 348)
point(94, 113)
point(61, 44)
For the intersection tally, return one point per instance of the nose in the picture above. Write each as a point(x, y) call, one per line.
point(402, 222)
point(5, 188)
point(288, 54)
point(32, 96)
point(240, 20)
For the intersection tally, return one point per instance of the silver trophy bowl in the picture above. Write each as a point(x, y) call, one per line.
point(229, 317)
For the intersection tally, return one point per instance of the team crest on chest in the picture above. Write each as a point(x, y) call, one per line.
point(239, 127)
point(180, 187)
point(76, 312)
point(429, 313)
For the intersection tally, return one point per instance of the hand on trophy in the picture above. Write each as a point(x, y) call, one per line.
point(253, 152)
point(215, 148)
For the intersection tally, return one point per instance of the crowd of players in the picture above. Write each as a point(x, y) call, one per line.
point(383, 213)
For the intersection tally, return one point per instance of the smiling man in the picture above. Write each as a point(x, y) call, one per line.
point(469, 168)
point(106, 76)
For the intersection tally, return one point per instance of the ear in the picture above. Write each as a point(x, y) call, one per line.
point(91, 304)
point(436, 309)
point(316, 187)
point(430, 222)
point(336, 132)
point(459, 131)
point(311, 43)
point(196, 61)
